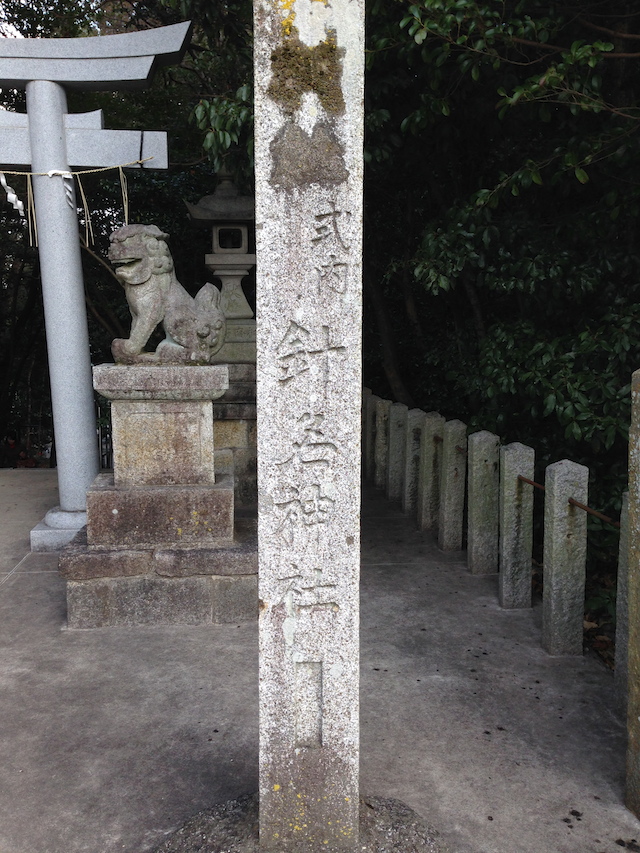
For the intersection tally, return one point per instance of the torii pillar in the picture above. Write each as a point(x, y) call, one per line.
point(49, 140)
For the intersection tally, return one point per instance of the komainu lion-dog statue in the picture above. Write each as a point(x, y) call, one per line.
point(194, 327)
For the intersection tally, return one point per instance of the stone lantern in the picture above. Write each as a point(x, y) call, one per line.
point(231, 217)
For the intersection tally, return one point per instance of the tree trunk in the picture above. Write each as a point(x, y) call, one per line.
point(389, 359)
point(474, 303)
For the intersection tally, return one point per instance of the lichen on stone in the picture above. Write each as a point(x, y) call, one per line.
point(300, 159)
point(290, 16)
point(297, 68)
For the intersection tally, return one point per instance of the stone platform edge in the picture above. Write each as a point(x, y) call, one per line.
point(112, 587)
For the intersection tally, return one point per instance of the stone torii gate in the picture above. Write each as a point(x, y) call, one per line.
point(51, 142)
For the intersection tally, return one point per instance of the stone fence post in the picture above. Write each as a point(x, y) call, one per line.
point(430, 467)
point(632, 795)
point(381, 447)
point(396, 450)
point(621, 672)
point(565, 552)
point(516, 525)
point(483, 503)
point(370, 436)
point(415, 426)
point(452, 483)
point(366, 394)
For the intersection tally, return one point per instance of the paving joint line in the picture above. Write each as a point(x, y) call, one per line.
point(13, 570)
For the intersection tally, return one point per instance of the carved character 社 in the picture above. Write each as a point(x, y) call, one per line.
point(194, 327)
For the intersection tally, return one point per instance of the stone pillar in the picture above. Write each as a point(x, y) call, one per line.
point(621, 673)
point(370, 437)
point(452, 483)
point(565, 554)
point(74, 416)
point(483, 503)
point(632, 794)
point(381, 449)
point(397, 447)
point(415, 425)
point(516, 525)
point(428, 504)
point(308, 105)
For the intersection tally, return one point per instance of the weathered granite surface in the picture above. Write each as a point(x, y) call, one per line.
point(381, 446)
point(411, 482)
point(309, 60)
point(621, 672)
point(516, 525)
point(483, 472)
point(166, 382)
point(452, 485)
point(234, 429)
point(564, 558)
point(385, 825)
point(428, 499)
point(396, 450)
point(632, 793)
point(184, 514)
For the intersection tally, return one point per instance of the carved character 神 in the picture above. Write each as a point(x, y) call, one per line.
point(194, 327)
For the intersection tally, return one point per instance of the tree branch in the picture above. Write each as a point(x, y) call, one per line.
point(607, 31)
point(97, 258)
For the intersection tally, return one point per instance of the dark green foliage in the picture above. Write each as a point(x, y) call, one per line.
point(503, 173)
point(217, 64)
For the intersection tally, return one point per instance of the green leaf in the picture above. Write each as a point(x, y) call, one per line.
point(549, 405)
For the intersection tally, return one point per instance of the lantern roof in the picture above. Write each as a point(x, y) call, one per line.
point(225, 205)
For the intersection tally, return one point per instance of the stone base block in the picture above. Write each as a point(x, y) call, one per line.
point(180, 452)
point(165, 586)
point(45, 538)
point(77, 562)
point(138, 601)
point(236, 351)
point(240, 558)
point(234, 599)
point(57, 529)
point(239, 343)
point(149, 516)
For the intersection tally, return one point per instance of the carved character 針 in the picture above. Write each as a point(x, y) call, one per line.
point(299, 348)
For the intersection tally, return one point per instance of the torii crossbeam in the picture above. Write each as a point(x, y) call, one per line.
point(51, 142)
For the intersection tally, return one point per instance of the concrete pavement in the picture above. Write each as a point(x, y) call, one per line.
point(110, 739)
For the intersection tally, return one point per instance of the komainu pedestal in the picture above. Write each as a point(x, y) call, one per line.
point(161, 544)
